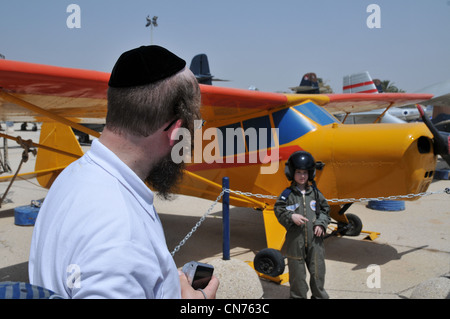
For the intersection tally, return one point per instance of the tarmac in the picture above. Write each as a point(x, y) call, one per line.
point(412, 248)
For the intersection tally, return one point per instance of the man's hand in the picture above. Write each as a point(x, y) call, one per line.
point(187, 292)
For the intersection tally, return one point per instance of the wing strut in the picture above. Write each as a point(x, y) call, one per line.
point(238, 197)
point(384, 112)
point(30, 143)
point(26, 149)
point(13, 99)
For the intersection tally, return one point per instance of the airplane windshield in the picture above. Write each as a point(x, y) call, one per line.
point(316, 113)
point(291, 125)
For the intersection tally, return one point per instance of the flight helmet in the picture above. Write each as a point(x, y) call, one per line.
point(300, 160)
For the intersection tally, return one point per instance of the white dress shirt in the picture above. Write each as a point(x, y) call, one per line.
point(98, 235)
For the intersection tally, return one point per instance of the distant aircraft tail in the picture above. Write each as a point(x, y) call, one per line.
point(360, 83)
point(308, 85)
point(200, 68)
point(310, 80)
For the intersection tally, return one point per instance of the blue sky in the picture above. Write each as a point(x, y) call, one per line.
point(268, 44)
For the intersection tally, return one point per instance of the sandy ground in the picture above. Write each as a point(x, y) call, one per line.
point(412, 248)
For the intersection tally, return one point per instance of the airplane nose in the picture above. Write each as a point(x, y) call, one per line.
point(375, 159)
point(441, 142)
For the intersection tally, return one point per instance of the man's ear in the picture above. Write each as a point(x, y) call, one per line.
point(172, 133)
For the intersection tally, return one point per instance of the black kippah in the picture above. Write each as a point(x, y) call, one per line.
point(144, 65)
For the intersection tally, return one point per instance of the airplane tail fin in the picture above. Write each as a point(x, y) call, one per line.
point(359, 83)
point(310, 80)
point(200, 68)
point(309, 84)
point(61, 149)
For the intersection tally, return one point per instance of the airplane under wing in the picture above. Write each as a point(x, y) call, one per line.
point(78, 95)
point(36, 93)
point(364, 102)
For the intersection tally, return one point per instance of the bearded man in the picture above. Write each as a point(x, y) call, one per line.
point(98, 234)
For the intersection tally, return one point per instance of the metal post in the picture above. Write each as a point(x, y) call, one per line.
point(226, 218)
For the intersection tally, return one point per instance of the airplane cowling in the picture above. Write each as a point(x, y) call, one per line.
point(373, 160)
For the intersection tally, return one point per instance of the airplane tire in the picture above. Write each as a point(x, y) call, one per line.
point(269, 262)
point(354, 226)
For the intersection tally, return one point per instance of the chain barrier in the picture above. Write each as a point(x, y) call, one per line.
point(202, 219)
point(352, 200)
point(333, 200)
point(393, 197)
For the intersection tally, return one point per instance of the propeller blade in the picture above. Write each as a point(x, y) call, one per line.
point(441, 143)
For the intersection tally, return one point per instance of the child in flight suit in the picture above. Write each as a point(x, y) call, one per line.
point(303, 211)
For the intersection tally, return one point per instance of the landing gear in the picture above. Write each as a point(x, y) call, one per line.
point(269, 262)
point(353, 228)
point(347, 224)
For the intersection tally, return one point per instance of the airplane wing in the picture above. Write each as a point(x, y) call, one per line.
point(219, 104)
point(80, 96)
point(364, 102)
point(222, 103)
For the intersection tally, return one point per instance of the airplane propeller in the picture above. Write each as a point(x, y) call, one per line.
point(441, 142)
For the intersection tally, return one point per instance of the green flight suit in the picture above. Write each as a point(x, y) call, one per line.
point(303, 247)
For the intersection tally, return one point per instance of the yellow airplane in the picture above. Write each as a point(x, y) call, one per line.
point(247, 136)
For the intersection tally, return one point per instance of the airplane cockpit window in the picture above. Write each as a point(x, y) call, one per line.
point(258, 133)
point(316, 113)
point(232, 140)
point(291, 125)
point(254, 134)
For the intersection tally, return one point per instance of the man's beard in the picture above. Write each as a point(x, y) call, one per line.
point(164, 176)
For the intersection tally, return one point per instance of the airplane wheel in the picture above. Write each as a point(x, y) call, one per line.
point(353, 228)
point(270, 262)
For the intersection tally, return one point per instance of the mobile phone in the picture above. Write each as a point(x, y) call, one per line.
point(198, 274)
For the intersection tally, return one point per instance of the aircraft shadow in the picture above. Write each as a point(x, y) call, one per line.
point(17, 272)
point(362, 253)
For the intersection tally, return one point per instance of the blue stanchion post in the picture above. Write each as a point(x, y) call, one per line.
point(226, 219)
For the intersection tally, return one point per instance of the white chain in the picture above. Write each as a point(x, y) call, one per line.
point(248, 194)
point(394, 197)
point(333, 200)
point(351, 200)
